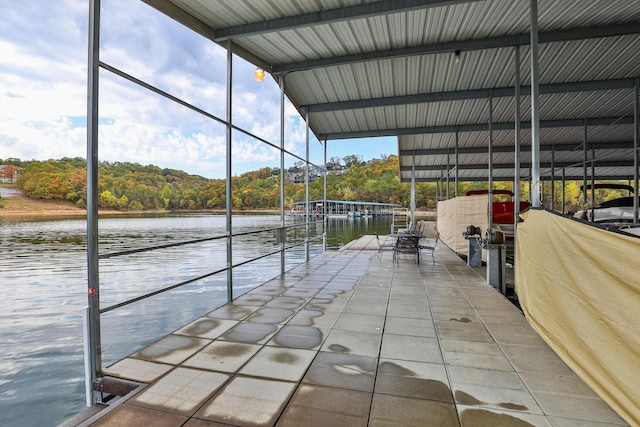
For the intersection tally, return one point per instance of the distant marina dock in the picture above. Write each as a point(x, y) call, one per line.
point(343, 208)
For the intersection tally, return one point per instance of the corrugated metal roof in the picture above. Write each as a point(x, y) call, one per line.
point(336, 53)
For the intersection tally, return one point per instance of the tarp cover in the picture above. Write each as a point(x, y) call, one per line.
point(579, 287)
point(454, 215)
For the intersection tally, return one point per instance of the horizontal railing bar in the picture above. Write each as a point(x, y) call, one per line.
point(152, 248)
point(204, 276)
point(159, 291)
point(188, 242)
point(177, 100)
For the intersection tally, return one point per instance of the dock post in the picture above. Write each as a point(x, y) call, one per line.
point(93, 339)
point(535, 193)
point(228, 172)
point(282, 193)
point(636, 147)
point(307, 214)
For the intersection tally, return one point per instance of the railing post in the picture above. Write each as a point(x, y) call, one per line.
point(228, 184)
point(282, 179)
point(306, 190)
point(324, 201)
point(92, 338)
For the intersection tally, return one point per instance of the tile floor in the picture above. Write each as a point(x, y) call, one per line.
point(350, 339)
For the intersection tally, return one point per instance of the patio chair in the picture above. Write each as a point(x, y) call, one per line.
point(383, 245)
point(431, 248)
point(407, 245)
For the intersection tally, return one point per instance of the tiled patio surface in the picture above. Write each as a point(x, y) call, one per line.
point(350, 339)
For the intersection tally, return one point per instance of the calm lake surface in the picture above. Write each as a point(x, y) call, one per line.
point(43, 288)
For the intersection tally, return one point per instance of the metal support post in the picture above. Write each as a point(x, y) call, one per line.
point(413, 191)
point(490, 163)
point(92, 339)
point(228, 186)
point(306, 190)
point(636, 147)
point(282, 232)
point(584, 165)
point(456, 166)
point(552, 205)
point(535, 113)
point(496, 253)
point(516, 154)
point(593, 182)
point(564, 184)
point(448, 173)
point(530, 199)
point(324, 204)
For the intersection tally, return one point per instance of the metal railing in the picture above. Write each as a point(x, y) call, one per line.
point(90, 357)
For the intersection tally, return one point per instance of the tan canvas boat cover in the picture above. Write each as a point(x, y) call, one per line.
point(454, 215)
point(579, 287)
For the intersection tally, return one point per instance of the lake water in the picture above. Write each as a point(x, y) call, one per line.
point(43, 290)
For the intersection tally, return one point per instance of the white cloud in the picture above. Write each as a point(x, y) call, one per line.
point(43, 85)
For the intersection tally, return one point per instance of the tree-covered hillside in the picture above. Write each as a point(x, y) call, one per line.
point(131, 186)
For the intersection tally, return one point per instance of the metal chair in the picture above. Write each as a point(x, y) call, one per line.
point(383, 245)
point(431, 248)
point(407, 245)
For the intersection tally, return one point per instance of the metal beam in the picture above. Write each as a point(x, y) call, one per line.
point(466, 45)
point(545, 165)
point(479, 178)
point(324, 17)
point(509, 149)
point(460, 95)
point(478, 127)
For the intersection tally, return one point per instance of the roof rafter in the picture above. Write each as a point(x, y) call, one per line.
point(323, 17)
point(466, 45)
point(545, 165)
point(510, 149)
point(475, 127)
point(543, 177)
point(581, 86)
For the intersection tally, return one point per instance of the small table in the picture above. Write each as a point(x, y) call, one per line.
point(408, 243)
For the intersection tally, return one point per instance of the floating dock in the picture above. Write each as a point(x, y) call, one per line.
point(352, 339)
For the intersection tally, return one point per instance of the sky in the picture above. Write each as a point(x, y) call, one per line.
point(43, 86)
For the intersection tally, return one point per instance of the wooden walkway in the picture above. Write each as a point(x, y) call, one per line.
point(350, 339)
